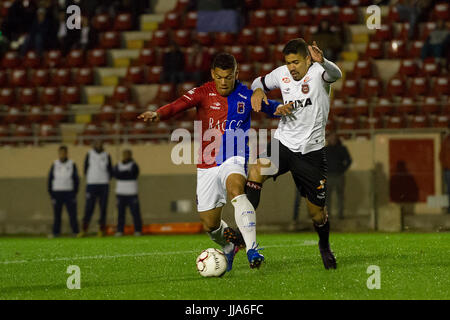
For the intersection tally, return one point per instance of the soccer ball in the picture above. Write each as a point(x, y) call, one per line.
point(212, 263)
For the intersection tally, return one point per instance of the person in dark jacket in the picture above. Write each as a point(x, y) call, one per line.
point(63, 182)
point(338, 160)
point(173, 65)
point(126, 173)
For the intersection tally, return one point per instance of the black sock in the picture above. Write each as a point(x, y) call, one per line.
point(253, 191)
point(324, 233)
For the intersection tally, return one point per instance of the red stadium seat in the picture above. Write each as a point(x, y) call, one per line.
point(350, 87)
point(269, 36)
point(13, 114)
point(31, 60)
point(247, 36)
point(288, 4)
point(441, 86)
point(4, 133)
point(204, 38)
point(35, 114)
point(90, 130)
point(224, 39)
point(75, 58)
point(147, 56)
point(442, 121)
point(50, 95)
point(348, 123)
point(7, 96)
point(101, 22)
point(278, 53)
point(19, 77)
point(258, 54)
point(374, 50)
point(373, 87)
point(266, 68)
point(181, 5)
point(395, 122)
point(11, 60)
point(415, 49)
point(165, 94)
point(160, 38)
point(154, 74)
point(363, 69)
point(27, 95)
point(107, 113)
point(190, 21)
point(57, 114)
point(5, 5)
point(24, 131)
point(383, 107)
point(96, 58)
point(122, 94)
point(289, 33)
point(84, 76)
point(62, 77)
point(303, 16)
point(258, 18)
point(430, 68)
point(339, 108)
point(419, 121)
point(361, 107)
point(404, 31)
point(442, 11)
point(393, 15)
point(427, 28)
point(407, 106)
point(70, 95)
point(368, 122)
point(348, 15)
point(280, 17)
point(47, 129)
point(184, 87)
point(325, 13)
point(430, 105)
point(239, 52)
point(3, 79)
point(408, 67)
point(396, 49)
point(270, 4)
point(129, 112)
point(183, 37)
point(396, 86)
point(246, 72)
point(310, 31)
point(138, 129)
point(53, 58)
point(419, 86)
point(123, 22)
point(136, 74)
point(109, 40)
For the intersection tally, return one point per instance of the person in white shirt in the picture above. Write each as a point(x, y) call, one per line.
point(63, 182)
point(305, 82)
point(126, 174)
point(98, 173)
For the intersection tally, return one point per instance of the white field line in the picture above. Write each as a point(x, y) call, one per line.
point(143, 254)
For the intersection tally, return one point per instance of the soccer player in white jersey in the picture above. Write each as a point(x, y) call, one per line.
point(305, 79)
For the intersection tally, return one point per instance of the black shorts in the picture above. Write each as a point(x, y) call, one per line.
point(309, 171)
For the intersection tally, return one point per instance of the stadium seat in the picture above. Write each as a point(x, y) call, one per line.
point(269, 36)
point(348, 123)
point(24, 131)
point(96, 58)
point(75, 59)
point(395, 122)
point(35, 114)
point(266, 68)
point(441, 86)
point(40, 77)
point(57, 113)
point(280, 17)
point(183, 37)
point(4, 133)
point(122, 94)
point(396, 86)
point(107, 113)
point(4, 7)
point(278, 53)
point(368, 122)
point(123, 22)
point(224, 39)
point(274, 94)
point(288, 4)
point(289, 33)
point(419, 121)
point(309, 32)
point(442, 121)
point(239, 52)
point(160, 38)
point(27, 95)
point(247, 36)
point(109, 40)
point(348, 15)
point(154, 74)
point(70, 95)
point(11, 60)
point(419, 86)
point(3, 79)
point(165, 94)
point(404, 31)
point(138, 131)
point(415, 48)
point(427, 28)
point(13, 114)
point(339, 108)
point(185, 87)
point(360, 108)
point(147, 56)
point(373, 87)
point(430, 105)
point(396, 49)
point(84, 76)
point(50, 95)
point(258, 54)
point(91, 130)
point(430, 68)
point(407, 106)
point(7, 96)
point(135, 74)
point(101, 22)
point(246, 72)
point(374, 50)
point(31, 60)
point(383, 107)
point(19, 77)
point(190, 21)
point(62, 77)
point(181, 5)
point(363, 69)
point(324, 13)
point(350, 87)
point(53, 58)
point(441, 11)
point(303, 16)
point(393, 15)
point(47, 129)
point(408, 68)
point(258, 18)
point(129, 112)
point(269, 4)
point(204, 38)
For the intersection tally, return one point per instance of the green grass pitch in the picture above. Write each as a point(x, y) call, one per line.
point(412, 266)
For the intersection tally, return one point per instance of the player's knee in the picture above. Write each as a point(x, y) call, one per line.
point(209, 226)
point(318, 214)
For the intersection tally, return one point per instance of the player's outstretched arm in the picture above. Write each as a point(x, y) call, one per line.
point(332, 71)
point(257, 99)
point(149, 116)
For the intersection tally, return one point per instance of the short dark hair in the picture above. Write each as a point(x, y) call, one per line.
point(62, 148)
point(224, 61)
point(296, 46)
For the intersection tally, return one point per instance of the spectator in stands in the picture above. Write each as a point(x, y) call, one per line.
point(173, 65)
point(437, 41)
point(67, 38)
point(36, 38)
point(444, 156)
point(198, 64)
point(126, 173)
point(63, 182)
point(338, 160)
point(98, 171)
point(87, 37)
point(19, 20)
point(412, 11)
point(331, 43)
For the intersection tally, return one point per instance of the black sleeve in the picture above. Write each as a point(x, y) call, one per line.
point(86, 164)
point(110, 167)
point(75, 178)
point(135, 170)
point(50, 179)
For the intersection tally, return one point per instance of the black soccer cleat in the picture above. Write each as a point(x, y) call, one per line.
point(329, 261)
point(234, 237)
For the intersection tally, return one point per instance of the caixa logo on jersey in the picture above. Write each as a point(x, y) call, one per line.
point(302, 103)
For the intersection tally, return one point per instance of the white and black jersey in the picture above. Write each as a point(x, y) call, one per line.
point(126, 175)
point(305, 130)
point(63, 177)
point(97, 167)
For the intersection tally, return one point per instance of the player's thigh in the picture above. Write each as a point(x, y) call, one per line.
point(211, 219)
point(235, 185)
point(210, 193)
point(271, 163)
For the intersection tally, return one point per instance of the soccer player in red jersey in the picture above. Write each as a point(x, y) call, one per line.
point(224, 109)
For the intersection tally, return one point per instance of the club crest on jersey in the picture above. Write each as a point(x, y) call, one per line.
point(286, 80)
point(240, 107)
point(305, 88)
